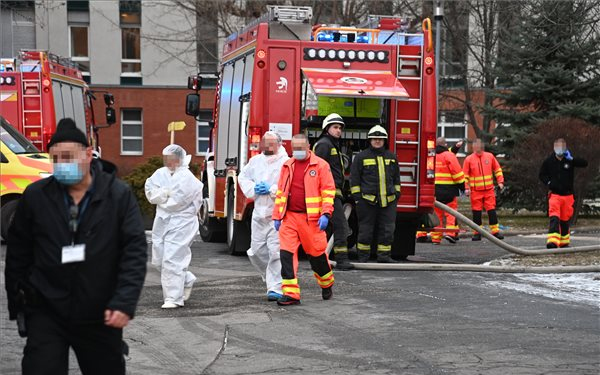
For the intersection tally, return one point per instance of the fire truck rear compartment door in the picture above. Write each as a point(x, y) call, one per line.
point(355, 83)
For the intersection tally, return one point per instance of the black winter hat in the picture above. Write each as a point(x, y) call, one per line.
point(66, 131)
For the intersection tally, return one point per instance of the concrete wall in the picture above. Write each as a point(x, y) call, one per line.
point(168, 45)
point(52, 31)
point(105, 42)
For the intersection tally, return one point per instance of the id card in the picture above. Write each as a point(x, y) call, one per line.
point(74, 253)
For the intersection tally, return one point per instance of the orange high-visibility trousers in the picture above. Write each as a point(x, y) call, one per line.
point(296, 230)
point(560, 210)
point(481, 199)
point(436, 237)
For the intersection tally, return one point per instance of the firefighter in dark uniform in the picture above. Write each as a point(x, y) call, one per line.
point(375, 185)
point(557, 173)
point(328, 148)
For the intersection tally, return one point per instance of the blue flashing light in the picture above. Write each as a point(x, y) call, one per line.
point(362, 39)
point(324, 37)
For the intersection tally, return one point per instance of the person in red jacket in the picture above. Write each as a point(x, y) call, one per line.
point(480, 168)
point(449, 183)
point(303, 207)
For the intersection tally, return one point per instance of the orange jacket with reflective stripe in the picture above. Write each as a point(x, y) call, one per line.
point(480, 171)
point(447, 169)
point(319, 188)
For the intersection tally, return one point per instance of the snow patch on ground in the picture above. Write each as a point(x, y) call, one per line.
point(577, 287)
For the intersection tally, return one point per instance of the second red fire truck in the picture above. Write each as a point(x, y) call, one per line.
point(282, 73)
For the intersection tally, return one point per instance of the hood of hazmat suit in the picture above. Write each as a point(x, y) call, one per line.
point(176, 193)
point(262, 168)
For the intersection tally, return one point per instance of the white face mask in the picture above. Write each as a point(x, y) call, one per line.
point(559, 151)
point(299, 154)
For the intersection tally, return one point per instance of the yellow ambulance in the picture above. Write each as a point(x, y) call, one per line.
point(21, 163)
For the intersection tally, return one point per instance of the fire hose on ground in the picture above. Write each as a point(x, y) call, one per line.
point(478, 267)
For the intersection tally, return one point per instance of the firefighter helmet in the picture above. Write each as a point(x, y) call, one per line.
point(333, 118)
point(377, 132)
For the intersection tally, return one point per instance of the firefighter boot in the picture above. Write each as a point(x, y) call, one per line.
point(363, 256)
point(327, 293)
point(342, 262)
point(287, 300)
point(385, 258)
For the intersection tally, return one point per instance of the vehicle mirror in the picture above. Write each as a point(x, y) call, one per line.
point(109, 99)
point(192, 104)
point(111, 116)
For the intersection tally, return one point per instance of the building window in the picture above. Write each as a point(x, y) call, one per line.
point(130, 17)
point(79, 48)
point(452, 126)
point(131, 132)
point(203, 132)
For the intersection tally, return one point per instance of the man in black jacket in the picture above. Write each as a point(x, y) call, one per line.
point(328, 148)
point(75, 262)
point(375, 185)
point(557, 173)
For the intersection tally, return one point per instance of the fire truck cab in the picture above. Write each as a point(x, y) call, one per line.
point(37, 89)
point(283, 74)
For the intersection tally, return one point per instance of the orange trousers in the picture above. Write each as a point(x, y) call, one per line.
point(436, 237)
point(481, 199)
point(297, 230)
point(560, 210)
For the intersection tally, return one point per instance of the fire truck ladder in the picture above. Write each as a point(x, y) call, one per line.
point(409, 69)
point(31, 104)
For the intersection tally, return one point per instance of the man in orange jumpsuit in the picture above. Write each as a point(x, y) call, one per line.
point(449, 183)
point(303, 207)
point(557, 173)
point(480, 168)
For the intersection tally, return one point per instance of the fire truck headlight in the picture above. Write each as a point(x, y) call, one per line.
point(361, 55)
point(371, 55)
point(351, 55)
point(381, 56)
point(341, 54)
point(331, 54)
point(311, 53)
point(9, 80)
point(322, 53)
point(1, 80)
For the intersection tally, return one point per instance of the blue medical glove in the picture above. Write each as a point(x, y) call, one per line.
point(323, 221)
point(261, 189)
point(568, 155)
point(277, 224)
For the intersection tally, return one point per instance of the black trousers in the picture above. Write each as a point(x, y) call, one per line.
point(99, 348)
point(338, 226)
point(374, 220)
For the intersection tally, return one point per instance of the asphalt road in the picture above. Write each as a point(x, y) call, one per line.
point(377, 323)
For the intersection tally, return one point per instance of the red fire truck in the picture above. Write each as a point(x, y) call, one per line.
point(281, 73)
point(38, 88)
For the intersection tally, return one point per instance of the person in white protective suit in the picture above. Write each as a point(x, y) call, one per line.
point(177, 194)
point(258, 180)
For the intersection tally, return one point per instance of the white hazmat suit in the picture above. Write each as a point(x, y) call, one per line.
point(264, 246)
point(177, 194)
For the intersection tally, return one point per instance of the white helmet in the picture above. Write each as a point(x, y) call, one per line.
point(377, 132)
point(333, 118)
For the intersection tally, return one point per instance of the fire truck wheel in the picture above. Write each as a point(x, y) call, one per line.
point(238, 232)
point(404, 238)
point(212, 231)
point(6, 217)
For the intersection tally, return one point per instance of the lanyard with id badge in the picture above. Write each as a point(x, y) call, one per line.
point(75, 252)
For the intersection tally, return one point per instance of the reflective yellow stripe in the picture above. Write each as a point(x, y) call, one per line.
point(334, 151)
point(363, 247)
point(458, 175)
point(289, 289)
point(338, 192)
point(369, 162)
point(280, 200)
point(280, 209)
point(289, 281)
point(397, 187)
point(355, 189)
point(391, 198)
point(384, 247)
point(481, 178)
point(381, 170)
point(330, 192)
point(310, 210)
point(279, 192)
point(369, 197)
point(326, 276)
point(438, 174)
point(340, 249)
point(328, 200)
point(445, 182)
point(313, 200)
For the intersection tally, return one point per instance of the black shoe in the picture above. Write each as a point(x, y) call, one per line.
point(363, 256)
point(287, 300)
point(551, 246)
point(327, 293)
point(385, 259)
point(342, 262)
point(450, 239)
point(476, 237)
point(400, 258)
point(422, 239)
point(499, 236)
